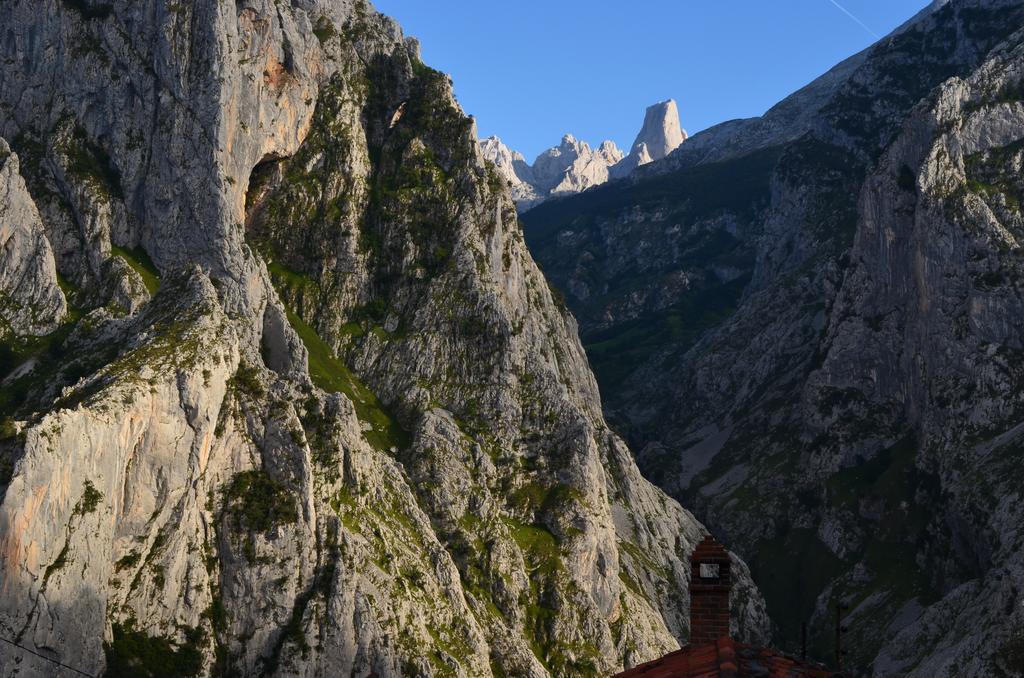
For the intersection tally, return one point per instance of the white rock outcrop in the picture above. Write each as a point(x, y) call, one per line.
point(661, 134)
point(512, 168)
point(31, 302)
point(574, 166)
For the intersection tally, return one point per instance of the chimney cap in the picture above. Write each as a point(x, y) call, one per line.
point(709, 550)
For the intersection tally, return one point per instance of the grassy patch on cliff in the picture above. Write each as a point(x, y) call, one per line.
point(539, 547)
point(141, 264)
point(535, 496)
point(543, 559)
point(46, 351)
point(173, 343)
point(295, 287)
point(332, 375)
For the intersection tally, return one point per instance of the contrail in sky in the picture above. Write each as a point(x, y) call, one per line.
point(862, 24)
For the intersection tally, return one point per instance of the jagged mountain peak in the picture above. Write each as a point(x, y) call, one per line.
point(660, 135)
point(662, 132)
point(575, 166)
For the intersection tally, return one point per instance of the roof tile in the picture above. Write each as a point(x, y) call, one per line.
point(726, 658)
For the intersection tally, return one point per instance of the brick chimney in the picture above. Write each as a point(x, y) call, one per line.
point(710, 583)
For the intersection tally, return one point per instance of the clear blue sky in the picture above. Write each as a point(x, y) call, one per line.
point(533, 70)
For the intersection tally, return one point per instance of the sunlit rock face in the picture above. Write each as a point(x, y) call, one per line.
point(31, 302)
point(573, 166)
point(301, 402)
point(660, 135)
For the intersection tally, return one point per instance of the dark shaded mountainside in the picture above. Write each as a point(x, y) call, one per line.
point(809, 324)
point(282, 391)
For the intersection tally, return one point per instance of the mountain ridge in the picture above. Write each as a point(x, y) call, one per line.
point(774, 349)
point(574, 167)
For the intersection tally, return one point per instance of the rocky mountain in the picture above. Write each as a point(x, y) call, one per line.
point(282, 391)
point(573, 166)
point(807, 322)
point(512, 168)
point(31, 301)
point(660, 135)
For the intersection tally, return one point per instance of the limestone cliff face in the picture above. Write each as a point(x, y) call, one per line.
point(661, 133)
point(937, 343)
point(31, 302)
point(314, 410)
point(512, 168)
point(807, 324)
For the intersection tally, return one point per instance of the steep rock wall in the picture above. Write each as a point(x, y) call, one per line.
point(316, 409)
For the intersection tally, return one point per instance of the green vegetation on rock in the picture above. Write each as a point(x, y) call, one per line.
point(540, 548)
point(542, 555)
point(133, 653)
point(87, 162)
point(332, 375)
point(324, 30)
point(617, 352)
point(141, 264)
point(46, 352)
point(991, 175)
point(256, 502)
point(90, 500)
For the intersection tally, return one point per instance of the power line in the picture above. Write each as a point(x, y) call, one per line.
point(42, 656)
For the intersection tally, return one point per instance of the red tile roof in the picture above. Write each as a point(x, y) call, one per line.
point(728, 659)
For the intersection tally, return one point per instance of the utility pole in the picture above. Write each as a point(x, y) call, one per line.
point(839, 635)
point(839, 639)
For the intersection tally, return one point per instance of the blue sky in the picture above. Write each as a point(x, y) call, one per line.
point(533, 70)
